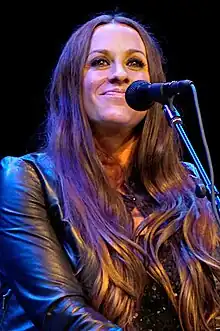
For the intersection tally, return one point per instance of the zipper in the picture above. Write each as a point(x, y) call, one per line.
point(5, 297)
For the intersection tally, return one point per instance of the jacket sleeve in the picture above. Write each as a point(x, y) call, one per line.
point(36, 266)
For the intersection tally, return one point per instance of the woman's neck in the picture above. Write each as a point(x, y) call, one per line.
point(119, 146)
point(116, 153)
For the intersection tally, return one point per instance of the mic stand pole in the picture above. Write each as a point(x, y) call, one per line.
point(175, 120)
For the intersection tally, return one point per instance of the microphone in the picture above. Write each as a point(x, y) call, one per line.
point(140, 95)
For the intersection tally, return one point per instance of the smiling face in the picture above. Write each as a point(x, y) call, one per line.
point(116, 58)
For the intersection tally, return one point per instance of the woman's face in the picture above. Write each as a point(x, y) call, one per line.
point(116, 58)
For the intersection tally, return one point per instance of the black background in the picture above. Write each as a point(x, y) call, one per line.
point(33, 35)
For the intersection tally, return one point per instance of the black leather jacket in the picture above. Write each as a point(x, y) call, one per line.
point(37, 288)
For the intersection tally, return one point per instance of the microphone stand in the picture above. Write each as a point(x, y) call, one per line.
point(207, 189)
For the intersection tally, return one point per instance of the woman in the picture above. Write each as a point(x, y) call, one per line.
point(102, 230)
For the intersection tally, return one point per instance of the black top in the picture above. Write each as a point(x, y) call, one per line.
point(156, 311)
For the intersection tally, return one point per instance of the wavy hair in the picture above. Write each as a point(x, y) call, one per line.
point(115, 263)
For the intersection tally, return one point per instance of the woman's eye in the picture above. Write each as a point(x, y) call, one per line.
point(99, 62)
point(102, 62)
point(135, 63)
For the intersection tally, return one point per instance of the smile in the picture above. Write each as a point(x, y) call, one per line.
point(115, 94)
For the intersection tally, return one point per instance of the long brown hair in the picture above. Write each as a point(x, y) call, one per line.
point(114, 265)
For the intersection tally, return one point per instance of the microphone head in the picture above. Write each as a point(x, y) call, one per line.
point(135, 95)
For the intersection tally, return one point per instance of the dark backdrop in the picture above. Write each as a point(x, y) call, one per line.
point(34, 35)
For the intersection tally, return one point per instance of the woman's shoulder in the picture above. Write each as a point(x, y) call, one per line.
point(36, 165)
point(35, 158)
point(39, 160)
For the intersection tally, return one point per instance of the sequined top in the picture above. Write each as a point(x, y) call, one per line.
point(156, 312)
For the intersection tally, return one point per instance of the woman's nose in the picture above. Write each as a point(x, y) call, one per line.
point(118, 73)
